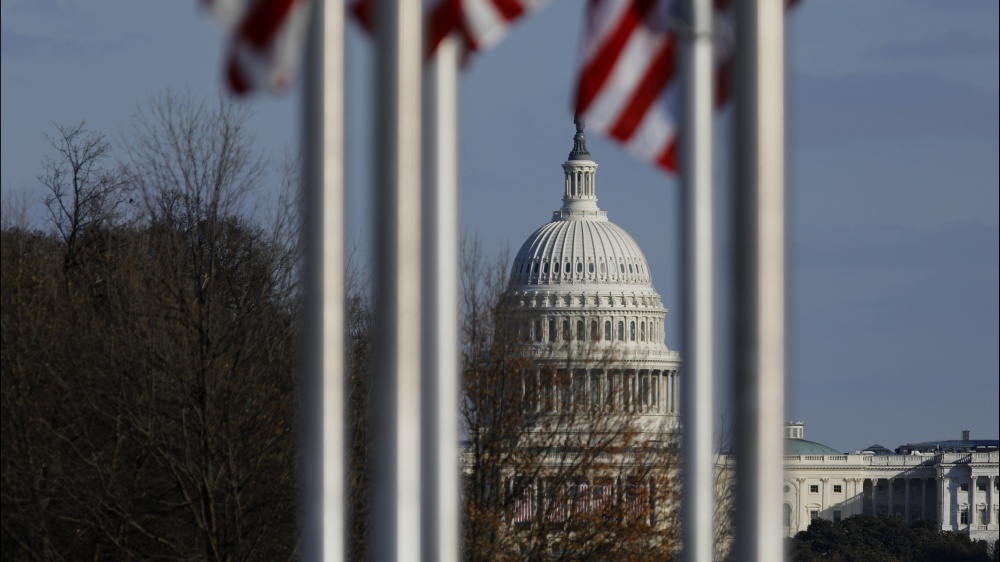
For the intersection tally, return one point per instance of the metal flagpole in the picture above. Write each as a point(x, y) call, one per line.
point(441, 477)
point(759, 264)
point(323, 330)
point(396, 388)
point(698, 283)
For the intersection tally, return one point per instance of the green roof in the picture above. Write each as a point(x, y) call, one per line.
point(803, 447)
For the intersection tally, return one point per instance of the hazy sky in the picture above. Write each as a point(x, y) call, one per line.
point(893, 157)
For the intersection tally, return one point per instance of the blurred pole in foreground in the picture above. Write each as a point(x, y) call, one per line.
point(440, 473)
point(396, 384)
point(323, 462)
point(698, 94)
point(759, 284)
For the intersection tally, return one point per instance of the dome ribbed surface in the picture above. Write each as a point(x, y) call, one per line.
point(580, 251)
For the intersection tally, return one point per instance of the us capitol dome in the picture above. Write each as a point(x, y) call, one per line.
point(580, 299)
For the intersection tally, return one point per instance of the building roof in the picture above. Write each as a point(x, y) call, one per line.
point(806, 447)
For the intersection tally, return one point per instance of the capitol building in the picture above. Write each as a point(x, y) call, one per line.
point(580, 304)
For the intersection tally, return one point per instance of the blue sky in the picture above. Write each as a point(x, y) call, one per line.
point(893, 166)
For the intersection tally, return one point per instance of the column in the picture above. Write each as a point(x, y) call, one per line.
point(801, 513)
point(944, 506)
point(891, 482)
point(874, 496)
point(972, 499)
point(991, 501)
point(923, 498)
point(906, 500)
point(823, 495)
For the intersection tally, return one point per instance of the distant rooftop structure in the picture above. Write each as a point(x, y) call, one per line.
point(963, 445)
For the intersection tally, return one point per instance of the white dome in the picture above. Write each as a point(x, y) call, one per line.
point(571, 251)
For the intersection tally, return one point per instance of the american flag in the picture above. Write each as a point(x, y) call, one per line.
point(478, 24)
point(267, 38)
point(628, 85)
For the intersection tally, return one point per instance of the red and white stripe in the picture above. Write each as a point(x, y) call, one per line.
point(266, 43)
point(478, 24)
point(629, 84)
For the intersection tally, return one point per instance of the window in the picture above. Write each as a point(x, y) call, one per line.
point(631, 330)
point(566, 332)
point(621, 330)
point(981, 485)
point(788, 515)
point(552, 330)
point(579, 267)
point(568, 269)
point(813, 514)
point(581, 334)
point(963, 516)
point(983, 515)
point(602, 268)
point(836, 516)
point(590, 267)
point(814, 488)
point(607, 330)
point(964, 486)
point(555, 267)
point(594, 333)
point(538, 331)
point(838, 489)
point(642, 331)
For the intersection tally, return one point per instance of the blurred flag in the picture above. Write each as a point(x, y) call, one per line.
point(478, 24)
point(628, 85)
point(267, 38)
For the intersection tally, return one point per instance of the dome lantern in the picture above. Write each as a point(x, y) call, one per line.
point(580, 196)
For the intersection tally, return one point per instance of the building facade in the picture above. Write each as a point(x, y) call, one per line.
point(952, 482)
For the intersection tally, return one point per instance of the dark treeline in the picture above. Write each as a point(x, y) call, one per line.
point(866, 538)
point(147, 351)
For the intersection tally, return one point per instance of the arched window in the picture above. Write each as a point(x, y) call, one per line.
point(621, 267)
point(579, 267)
point(590, 268)
point(630, 268)
point(603, 270)
point(607, 330)
point(631, 330)
point(566, 332)
point(538, 331)
point(555, 267)
point(581, 334)
point(621, 331)
point(594, 334)
point(552, 330)
point(545, 268)
point(569, 268)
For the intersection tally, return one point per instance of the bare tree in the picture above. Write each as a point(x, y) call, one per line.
point(149, 401)
point(87, 192)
